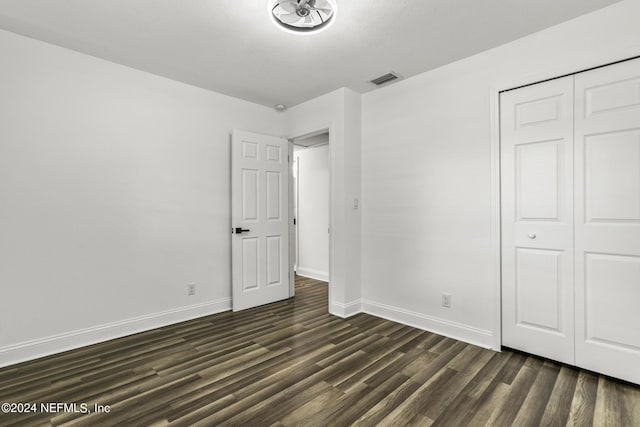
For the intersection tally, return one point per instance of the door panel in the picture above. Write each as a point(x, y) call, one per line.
point(607, 220)
point(274, 196)
point(249, 263)
point(538, 186)
point(612, 177)
point(249, 195)
point(536, 126)
point(538, 111)
point(274, 260)
point(622, 92)
point(610, 319)
point(260, 205)
point(538, 288)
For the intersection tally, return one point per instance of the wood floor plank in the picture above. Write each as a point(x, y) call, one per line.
point(291, 363)
point(412, 406)
point(288, 382)
point(211, 391)
point(487, 376)
point(473, 398)
point(440, 401)
point(301, 415)
point(364, 373)
point(518, 392)
point(583, 402)
point(288, 400)
point(534, 404)
point(355, 406)
point(387, 405)
point(556, 413)
point(488, 407)
point(630, 404)
point(608, 411)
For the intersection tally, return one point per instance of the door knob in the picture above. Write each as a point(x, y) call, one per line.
point(532, 236)
point(240, 230)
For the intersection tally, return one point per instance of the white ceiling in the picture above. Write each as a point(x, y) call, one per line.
point(231, 47)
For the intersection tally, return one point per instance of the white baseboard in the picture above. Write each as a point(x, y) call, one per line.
point(34, 349)
point(41, 347)
point(313, 274)
point(459, 331)
point(346, 310)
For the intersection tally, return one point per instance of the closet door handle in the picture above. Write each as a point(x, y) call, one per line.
point(532, 236)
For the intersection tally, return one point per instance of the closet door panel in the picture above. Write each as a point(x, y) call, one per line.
point(537, 219)
point(612, 177)
point(607, 220)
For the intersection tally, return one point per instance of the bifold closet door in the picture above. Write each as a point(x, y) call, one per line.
point(607, 220)
point(537, 219)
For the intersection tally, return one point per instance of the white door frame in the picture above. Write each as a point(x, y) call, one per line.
point(580, 65)
point(292, 229)
point(317, 130)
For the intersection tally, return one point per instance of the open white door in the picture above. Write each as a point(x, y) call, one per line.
point(260, 219)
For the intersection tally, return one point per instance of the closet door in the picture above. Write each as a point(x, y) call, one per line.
point(537, 219)
point(607, 220)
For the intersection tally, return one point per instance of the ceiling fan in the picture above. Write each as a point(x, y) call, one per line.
point(303, 16)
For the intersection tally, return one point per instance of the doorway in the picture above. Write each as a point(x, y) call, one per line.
point(310, 199)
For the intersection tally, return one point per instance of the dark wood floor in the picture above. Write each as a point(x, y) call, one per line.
point(291, 363)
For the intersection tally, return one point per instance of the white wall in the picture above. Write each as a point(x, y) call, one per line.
point(352, 188)
point(313, 212)
point(115, 189)
point(427, 174)
point(338, 111)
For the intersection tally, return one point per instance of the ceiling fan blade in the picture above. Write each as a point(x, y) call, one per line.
point(325, 11)
point(289, 18)
point(289, 6)
point(301, 3)
point(321, 4)
point(308, 19)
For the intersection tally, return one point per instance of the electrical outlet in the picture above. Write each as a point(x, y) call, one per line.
point(191, 289)
point(446, 300)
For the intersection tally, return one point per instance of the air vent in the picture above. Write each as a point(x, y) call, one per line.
point(387, 78)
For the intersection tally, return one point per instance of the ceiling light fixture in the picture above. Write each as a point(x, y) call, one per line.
point(302, 16)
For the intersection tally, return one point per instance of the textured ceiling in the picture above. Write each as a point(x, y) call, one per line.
point(233, 48)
